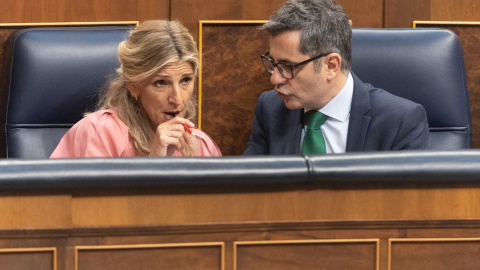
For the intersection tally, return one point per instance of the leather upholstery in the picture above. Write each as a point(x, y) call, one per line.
point(54, 75)
point(422, 65)
point(353, 170)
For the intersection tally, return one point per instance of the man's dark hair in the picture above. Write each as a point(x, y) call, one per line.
point(323, 24)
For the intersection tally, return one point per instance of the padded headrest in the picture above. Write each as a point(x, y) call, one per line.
point(422, 65)
point(55, 75)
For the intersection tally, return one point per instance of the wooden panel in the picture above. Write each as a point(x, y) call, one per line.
point(200, 206)
point(53, 211)
point(232, 77)
point(256, 242)
point(259, 10)
point(438, 254)
point(314, 238)
point(33, 11)
point(313, 254)
point(469, 36)
point(190, 12)
point(152, 10)
point(364, 13)
point(28, 258)
point(23, 11)
point(458, 10)
point(401, 13)
point(236, 204)
point(161, 256)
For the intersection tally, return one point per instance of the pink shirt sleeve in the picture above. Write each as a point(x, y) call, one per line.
point(208, 148)
point(101, 134)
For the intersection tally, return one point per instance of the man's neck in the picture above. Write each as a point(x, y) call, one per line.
point(336, 85)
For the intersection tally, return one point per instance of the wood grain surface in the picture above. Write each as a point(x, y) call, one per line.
point(233, 77)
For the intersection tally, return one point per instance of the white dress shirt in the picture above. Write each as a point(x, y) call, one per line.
point(335, 129)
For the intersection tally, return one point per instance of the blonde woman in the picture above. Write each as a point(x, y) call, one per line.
point(147, 109)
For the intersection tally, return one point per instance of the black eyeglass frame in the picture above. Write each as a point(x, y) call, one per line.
point(264, 57)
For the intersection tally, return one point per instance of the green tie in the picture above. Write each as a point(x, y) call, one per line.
point(313, 142)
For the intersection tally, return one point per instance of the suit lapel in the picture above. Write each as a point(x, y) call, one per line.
point(359, 120)
point(294, 134)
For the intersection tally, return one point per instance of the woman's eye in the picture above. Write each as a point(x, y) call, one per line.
point(160, 83)
point(186, 80)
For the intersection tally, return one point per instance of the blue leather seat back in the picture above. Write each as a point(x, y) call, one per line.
point(422, 65)
point(55, 75)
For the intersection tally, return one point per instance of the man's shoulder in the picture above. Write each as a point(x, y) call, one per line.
point(269, 100)
point(271, 96)
point(394, 122)
point(381, 99)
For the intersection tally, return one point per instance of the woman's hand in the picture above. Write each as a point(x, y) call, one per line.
point(171, 135)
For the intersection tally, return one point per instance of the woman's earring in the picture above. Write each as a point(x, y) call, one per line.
point(136, 97)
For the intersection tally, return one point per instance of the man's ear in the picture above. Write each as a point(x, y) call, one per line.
point(334, 64)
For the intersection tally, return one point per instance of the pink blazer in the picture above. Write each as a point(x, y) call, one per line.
point(103, 134)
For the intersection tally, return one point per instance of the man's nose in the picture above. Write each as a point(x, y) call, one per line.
point(276, 77)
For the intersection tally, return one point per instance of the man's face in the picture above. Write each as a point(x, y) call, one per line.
point(307, 88)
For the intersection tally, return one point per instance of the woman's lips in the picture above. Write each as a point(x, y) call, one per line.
point(171, 115)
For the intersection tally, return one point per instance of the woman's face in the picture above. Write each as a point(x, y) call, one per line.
point(166, 94)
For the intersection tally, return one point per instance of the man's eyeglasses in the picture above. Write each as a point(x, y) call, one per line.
point(285, 70)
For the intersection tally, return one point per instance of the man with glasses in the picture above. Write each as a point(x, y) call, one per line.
point(318, 105)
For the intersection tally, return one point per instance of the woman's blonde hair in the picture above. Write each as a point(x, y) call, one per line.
point(150, 46)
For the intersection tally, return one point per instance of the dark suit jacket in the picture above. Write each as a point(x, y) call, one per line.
point(378, 121)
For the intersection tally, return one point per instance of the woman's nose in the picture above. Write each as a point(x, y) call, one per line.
point(175, 96)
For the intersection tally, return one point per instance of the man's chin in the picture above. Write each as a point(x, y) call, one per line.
point(292, 105)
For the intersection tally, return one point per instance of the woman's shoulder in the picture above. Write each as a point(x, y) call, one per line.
point(208, 146)
point(103, 119)
point(101, 124)
point(105, 115)
point(99, 134)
